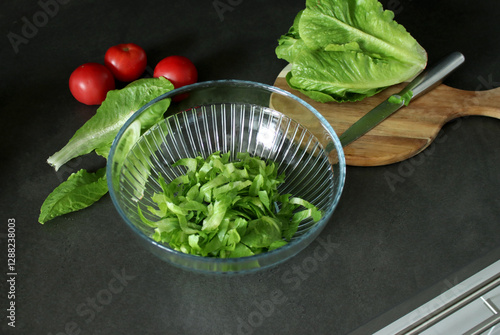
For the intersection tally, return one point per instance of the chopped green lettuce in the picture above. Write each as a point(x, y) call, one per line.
point(226, 209)
point(347, 50)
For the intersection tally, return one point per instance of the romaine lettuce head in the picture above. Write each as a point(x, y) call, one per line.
point(347, 50)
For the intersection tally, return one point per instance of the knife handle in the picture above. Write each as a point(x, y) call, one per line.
point(432, 77)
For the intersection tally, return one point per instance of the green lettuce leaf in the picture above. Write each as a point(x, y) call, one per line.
point(99, 132)
point(347, 50)
point(79, 191)
point(82, 189)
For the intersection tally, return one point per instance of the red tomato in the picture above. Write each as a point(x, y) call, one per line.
point(178, 69)
point(90, 83)
point(127, 61)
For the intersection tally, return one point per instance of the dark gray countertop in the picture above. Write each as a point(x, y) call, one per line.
point(387, 243)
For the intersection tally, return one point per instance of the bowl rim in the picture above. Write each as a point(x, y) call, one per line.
point(199, 259)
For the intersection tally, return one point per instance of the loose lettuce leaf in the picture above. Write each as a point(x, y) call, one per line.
point(226, 209)
point(82, 189)
point(99, 132)
point(347, 50)
point(79, 191)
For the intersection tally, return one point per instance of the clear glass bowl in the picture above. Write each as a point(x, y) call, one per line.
point(228, 116)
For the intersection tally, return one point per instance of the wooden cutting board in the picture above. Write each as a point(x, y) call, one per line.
point(408, 131)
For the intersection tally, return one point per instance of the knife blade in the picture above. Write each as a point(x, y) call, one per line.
point(424, 82)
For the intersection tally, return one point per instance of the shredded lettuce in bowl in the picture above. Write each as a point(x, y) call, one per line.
point(225, 209)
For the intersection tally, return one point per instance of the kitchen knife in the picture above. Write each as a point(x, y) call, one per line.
point(423, 83)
